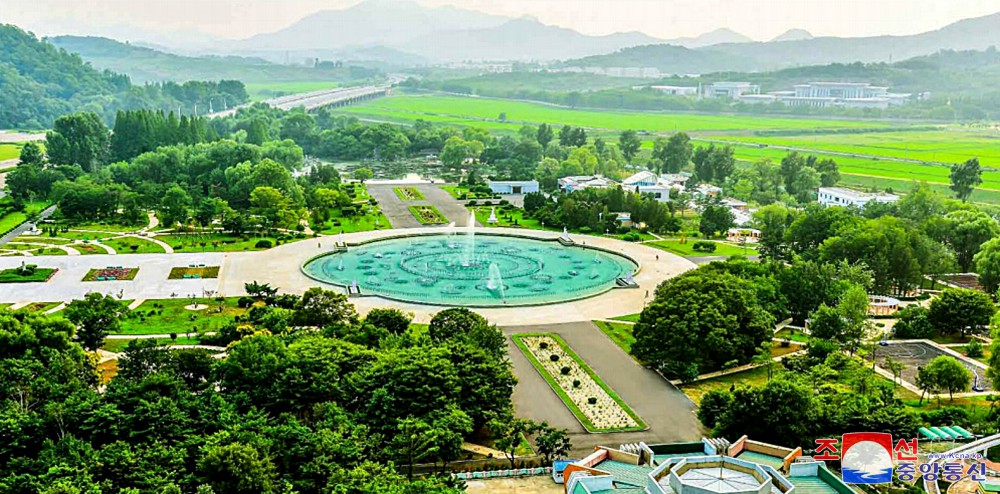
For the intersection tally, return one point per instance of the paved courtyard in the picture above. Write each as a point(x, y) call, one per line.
point(280, 267)
point(397, 210)
point(668, 412)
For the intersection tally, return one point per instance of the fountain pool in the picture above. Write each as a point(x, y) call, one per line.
point(472, 270)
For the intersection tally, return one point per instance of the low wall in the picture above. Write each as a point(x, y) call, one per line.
point(737, 447)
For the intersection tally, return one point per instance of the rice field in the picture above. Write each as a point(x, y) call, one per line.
point(882, 158)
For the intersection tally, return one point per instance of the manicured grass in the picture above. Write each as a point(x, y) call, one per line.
point(133, 245)
point(11, 220)
point(428, 215)
point(457, 191)
point(119, 345)
point(170, 316)
point(562, 394)
point(119, 274)
point(687, 249)
point(793, 335)
point(42, 239)
point(88, 249)
point(260, 91)
point(39, 275)
point(359, 223)
point(105, 227)
point(753, 377)
point(628, 318)
point(777, 350)
point(180, 273)
point(216, 242)
point(619, 333)
point(486, 110)
point(408, 194)
point(9, 151)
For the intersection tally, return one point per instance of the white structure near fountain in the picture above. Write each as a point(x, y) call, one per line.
point(495, 282)
point(469, 252)
point(493, 217)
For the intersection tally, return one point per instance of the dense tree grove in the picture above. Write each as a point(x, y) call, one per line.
point(327, 404)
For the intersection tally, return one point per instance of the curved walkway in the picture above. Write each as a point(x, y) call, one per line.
point(64, 247)
point(107, 248)
point(280, 267)
point(166, 247)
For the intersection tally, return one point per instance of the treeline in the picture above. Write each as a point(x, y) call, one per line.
point(311, 399)
point(41, 82)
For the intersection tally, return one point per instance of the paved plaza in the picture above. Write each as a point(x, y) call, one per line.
point(280, 266)
point(398, 212)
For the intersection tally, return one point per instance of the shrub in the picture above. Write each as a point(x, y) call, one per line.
point(244, 302)
point(565, 370)
point(703, 246)
point(974, 349)
point(592, 400)
point(472, 202)
point(543, 345)
point(554, 357)
point(632, 237)
point(263, 244)
point(576, 383)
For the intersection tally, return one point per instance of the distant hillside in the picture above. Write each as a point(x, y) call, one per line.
point(669, 59)
point(519, 39)
point(969, 34)
point(40, 82)
point(437, 34)
point(799, 48)
point(793, 35)
point(716, 37)
point(148, 65)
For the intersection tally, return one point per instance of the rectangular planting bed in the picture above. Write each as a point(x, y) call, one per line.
point(593, 403)
point(428, 215)
point(111, 273)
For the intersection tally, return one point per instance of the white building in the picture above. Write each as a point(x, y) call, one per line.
point(677, 90)
point(660, 186)
point(731, 90)
point(580, 182)
point(515, 187)
point(829, 94)
point(837, 196)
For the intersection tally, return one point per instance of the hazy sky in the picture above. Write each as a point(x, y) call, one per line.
point(759, 19)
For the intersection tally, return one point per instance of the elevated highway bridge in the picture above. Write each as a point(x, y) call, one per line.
point(316, 99)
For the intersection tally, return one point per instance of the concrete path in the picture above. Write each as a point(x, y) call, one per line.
point(136, 303)
point(153, 222)
point(107, 248)
point(668, 412)
point(57, 308)
point(166, 247)
point(398, 212)
point(65, 248)
point(26, 226)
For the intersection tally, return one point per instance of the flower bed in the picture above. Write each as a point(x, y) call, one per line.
point(428, 215)
point(408, 193)
point(111, 273)
point(593, 403)
point(194, 272)
point(27, 274)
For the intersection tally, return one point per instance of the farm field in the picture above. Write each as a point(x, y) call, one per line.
point(457, 108)
point(9, 151)
point(947, 145)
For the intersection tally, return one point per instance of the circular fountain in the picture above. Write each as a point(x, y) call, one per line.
point(473, 270)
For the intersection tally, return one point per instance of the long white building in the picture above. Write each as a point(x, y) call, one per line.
point(828, 94)
point(838, 196)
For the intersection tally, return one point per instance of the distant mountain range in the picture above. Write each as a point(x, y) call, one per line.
point(798, 48)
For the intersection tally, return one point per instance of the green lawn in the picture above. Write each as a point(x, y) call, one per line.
point(686, 249)
point(170, 316)
point(428, 215)
point(619, 333)
point(793, 335)
point(586, 368)
point(105, 227)
point(752, 377)
point(39, 274)
point(350, 224)
point(217, 242)
point(119, 345)
point(133, 245)
point(11, 220)
point(408, 193)
point(628, 318)
point(40, 306)
point(9, 151)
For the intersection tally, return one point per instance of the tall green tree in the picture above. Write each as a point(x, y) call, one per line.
point(949, 374)
point(32, 154)
point(629, 143)
point(95, 316)
point(78, 139)
point(965, 178)
point(959, 310)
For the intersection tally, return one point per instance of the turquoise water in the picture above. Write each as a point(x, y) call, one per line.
point(478, 271)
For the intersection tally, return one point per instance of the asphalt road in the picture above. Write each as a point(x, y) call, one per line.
point(23, 227)
point(397, 210)
point(668, 412)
